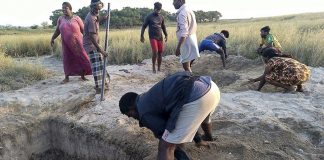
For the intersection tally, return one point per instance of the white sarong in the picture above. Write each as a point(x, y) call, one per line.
point(189, 49)
point(192, 115)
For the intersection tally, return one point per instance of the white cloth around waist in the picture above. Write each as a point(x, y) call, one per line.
point(192, 115)
point(189, 49)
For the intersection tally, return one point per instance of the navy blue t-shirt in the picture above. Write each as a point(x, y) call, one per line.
point(200, 88)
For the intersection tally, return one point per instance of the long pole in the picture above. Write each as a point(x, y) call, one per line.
point(105, 58)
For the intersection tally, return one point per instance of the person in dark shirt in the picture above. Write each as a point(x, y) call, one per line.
point(173, 109)
point(216, 43)
point(155, 21)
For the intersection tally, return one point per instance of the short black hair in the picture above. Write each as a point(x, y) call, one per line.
point(265, 29)
point(68, 5)
point(94, 3)
point(226, 33)
point(158, 5)
point(126, 101)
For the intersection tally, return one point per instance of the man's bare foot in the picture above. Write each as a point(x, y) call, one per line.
point(106, 88)
point(203, 144)
point(65, 81)
point(208, 138)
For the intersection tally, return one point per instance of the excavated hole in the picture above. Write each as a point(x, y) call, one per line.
point(58, 139)
point(69, 142)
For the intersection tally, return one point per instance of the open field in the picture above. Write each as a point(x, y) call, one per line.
point(300, 35)
point(48, 120)
point(19, 74)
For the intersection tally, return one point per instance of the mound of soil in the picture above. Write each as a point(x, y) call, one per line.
point(50, 121)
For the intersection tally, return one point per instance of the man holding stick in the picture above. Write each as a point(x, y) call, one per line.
point(91, 42)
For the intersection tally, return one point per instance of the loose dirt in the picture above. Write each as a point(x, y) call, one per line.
point(53, 121)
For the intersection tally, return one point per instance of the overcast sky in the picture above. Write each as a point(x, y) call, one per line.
point(30, 12)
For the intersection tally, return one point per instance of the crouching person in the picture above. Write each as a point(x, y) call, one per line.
point(173, 109)
point(216, 43)
point(283, 71)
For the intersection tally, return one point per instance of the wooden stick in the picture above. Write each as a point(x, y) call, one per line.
point(105, 58)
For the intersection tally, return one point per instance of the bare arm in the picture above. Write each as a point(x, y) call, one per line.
point(55, 35)
point(259, 50)
point(145, 24)
point(81, 25)
point(143, 30)
point(164, 30)
point(104, 17)
point(223, 45)
point(181, 41)
point(258, 79)
point(223, 56)
point(261, 78)
point(95, 43)
point(142, 33)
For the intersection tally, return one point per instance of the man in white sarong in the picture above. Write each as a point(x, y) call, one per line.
point(187, 47)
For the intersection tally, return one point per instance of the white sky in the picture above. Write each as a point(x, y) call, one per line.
point(30, 12)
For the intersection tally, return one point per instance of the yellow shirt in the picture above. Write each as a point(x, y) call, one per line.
point(271, 39)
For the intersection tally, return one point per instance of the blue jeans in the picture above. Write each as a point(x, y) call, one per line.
point(208, 45)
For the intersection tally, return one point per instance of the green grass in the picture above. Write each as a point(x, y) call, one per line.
point(300, 35)
point(19, 74)
point(22, 45)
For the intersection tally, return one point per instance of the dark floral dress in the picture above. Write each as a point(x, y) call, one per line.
point(287, 71)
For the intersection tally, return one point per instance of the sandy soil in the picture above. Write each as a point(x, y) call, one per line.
point(247, 124)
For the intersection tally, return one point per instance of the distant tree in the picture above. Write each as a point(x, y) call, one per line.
point(172, 17)
point(210, 16)
point(8, 26)
point(82, 13)
point(199, 16)
point(45, 24)
point(34, 26)
point(129, 17)
point(55, 15)
point(214, 15)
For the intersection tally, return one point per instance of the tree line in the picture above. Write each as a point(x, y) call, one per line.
point(129, 17)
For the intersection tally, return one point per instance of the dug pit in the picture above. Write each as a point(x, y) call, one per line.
point(51, 121)
point(57, 139)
